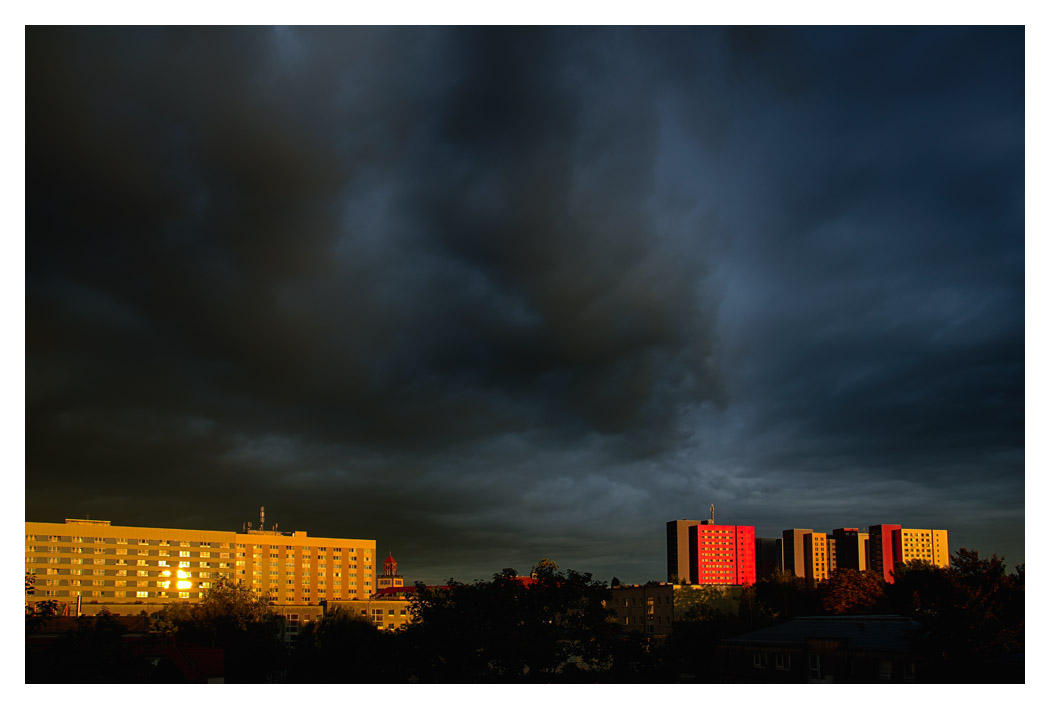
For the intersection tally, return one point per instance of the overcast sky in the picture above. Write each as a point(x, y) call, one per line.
point(488, 296)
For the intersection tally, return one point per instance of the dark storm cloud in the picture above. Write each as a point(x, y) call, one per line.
point(903, 327)
point(875, 306)
point(488, 295)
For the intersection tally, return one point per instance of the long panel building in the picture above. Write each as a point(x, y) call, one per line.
point(113, 565)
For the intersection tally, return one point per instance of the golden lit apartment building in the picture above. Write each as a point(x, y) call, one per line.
point(808, 554)
point(930, 545)
point(106, 564)
point(890, 544)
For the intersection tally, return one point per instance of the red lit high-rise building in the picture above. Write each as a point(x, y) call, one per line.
point(722, 554)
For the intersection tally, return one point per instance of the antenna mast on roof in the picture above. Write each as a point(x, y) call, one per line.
point(262, 518)
point(712, 513)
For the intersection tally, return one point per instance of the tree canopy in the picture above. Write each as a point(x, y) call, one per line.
point(233, 617)
point(510, 629)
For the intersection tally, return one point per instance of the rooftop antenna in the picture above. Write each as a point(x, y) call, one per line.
point(712, 513)
point(262, 517)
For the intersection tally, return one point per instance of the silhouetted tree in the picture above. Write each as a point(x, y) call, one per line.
point(343, 646)
point(506, 630)
point(972, 614)
point(784, 596)
point(40, 609)
point(689, 652)
point(232, 617)
point(95, 652)
point(544, 565)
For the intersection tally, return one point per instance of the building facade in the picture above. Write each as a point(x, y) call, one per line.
point(679, 566)
point(390, 578)
point(816, 556)
point(701, 552)
point(824, 649)
point(653, 608)
point(851, 548)
point(880, 549)
point(95, 562)
point(929, 545)
point(810, 555)
point(722, 554)
point(795, 551)
point(890, 544)
point(648, 609)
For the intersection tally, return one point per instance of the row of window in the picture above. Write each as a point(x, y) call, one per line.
point(651, 600)
point(32, 538)
point(116, 583)
point(289, 569)
point(782, 660)
point(59, 593)
point(203, 555)
point(184, 553)
point(113, 540)
point(651, 620)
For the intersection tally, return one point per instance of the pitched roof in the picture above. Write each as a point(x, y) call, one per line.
point(857, 632)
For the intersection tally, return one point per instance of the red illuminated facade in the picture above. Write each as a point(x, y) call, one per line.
point(880, 549)
point(722, 554)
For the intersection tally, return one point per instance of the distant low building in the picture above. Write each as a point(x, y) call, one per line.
point(825, 649)
point(647, 609)
point(385, 613)
point(653, 609)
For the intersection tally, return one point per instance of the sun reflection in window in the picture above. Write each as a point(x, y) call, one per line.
point(183, 582)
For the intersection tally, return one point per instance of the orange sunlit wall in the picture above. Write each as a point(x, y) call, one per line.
point(722, 554)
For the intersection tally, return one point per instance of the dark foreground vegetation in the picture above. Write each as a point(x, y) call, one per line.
point(557, 628)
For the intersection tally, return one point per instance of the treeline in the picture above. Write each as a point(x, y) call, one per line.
point(559, 627)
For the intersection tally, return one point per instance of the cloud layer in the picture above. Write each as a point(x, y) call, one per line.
point(488, 295)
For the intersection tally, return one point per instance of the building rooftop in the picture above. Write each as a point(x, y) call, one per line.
point(858, 632)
